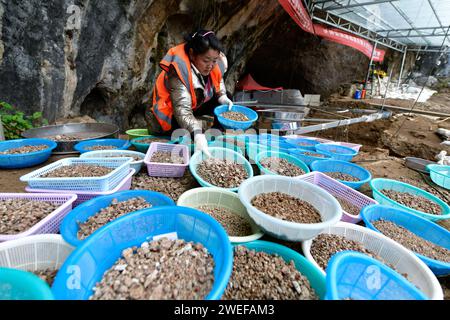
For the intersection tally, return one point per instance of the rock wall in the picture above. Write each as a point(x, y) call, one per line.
point(100, 58)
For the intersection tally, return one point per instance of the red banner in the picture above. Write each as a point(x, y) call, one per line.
point(350, 40)
point(299, 14)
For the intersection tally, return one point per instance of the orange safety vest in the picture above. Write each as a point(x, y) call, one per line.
point(162, 106)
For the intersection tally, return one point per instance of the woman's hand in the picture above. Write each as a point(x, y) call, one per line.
point(201, 144)
point(226, 101)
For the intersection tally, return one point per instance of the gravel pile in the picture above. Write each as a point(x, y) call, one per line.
point(19, 215)
point(25, 149)
point(286, 207)
point(312, 154)
point(100, 147)
point(234, 141)
point(78, 171)
point(281, 166)
point(348, 207)
point(262, 276)
point(150, 140)
point(66, 137)
point(324, 246)
point(135, 158)
point(234, 224)
point(115, 210)
point(171, 187)
point(304, 144)
point(411, 241)
point(412, 201)
point(222, 173)
point(166, 157)
point(342, 176)
point(159, 270)
point(48, 275)
point(233, 115)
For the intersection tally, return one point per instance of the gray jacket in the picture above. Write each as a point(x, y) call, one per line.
point(182, 103)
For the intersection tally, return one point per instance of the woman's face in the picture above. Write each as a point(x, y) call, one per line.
point(205, 62)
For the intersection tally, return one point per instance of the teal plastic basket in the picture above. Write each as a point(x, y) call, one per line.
point(253, 149)
point(440, 175)
point(380, 184)
point(291, 159)
point(143, 147)
point(310, 271)
point(22, 285)
point(220, 153)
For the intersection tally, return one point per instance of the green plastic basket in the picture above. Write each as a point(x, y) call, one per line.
point(143, 147)
point(136, 133)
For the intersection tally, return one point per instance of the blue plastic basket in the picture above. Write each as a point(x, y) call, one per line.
point(22, 285)
point(336, 151)
point(102, 249)
point(440, 175)
point(352, 169)
point(143, 147)
point(380, 184)
point(25, 160)
point(220, 153)
point(300, 154)
point(356, 276)
point(118, 143)
point(310, 271)
point(120, 166)
point(295, 143)
point(420, 226)
point(231, 124)
point(69, 226)
point(289, 158)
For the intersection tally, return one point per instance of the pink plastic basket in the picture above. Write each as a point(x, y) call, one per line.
point(156, 169)
point(83, 196)
point(336, 188)
point(51, 223)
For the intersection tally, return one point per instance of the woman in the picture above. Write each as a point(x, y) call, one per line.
point(192, 78)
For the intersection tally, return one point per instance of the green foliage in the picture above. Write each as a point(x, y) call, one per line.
point(15, 122)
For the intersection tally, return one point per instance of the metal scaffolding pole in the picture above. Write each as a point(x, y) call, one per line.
point(345, 122)
point(370, 65)
point(401, 68)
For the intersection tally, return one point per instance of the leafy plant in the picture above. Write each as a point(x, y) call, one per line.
point(15, 122)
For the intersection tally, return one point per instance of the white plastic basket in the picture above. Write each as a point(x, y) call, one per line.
point(107, 182)
point(35, 253)
point(339, 189)
point(223, 198)
point(390, 251)
point(136, 165)
point(329, 208)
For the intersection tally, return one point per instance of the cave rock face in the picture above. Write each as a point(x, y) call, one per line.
point(100, 58)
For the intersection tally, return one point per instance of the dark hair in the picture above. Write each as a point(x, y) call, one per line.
point(201, 41)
